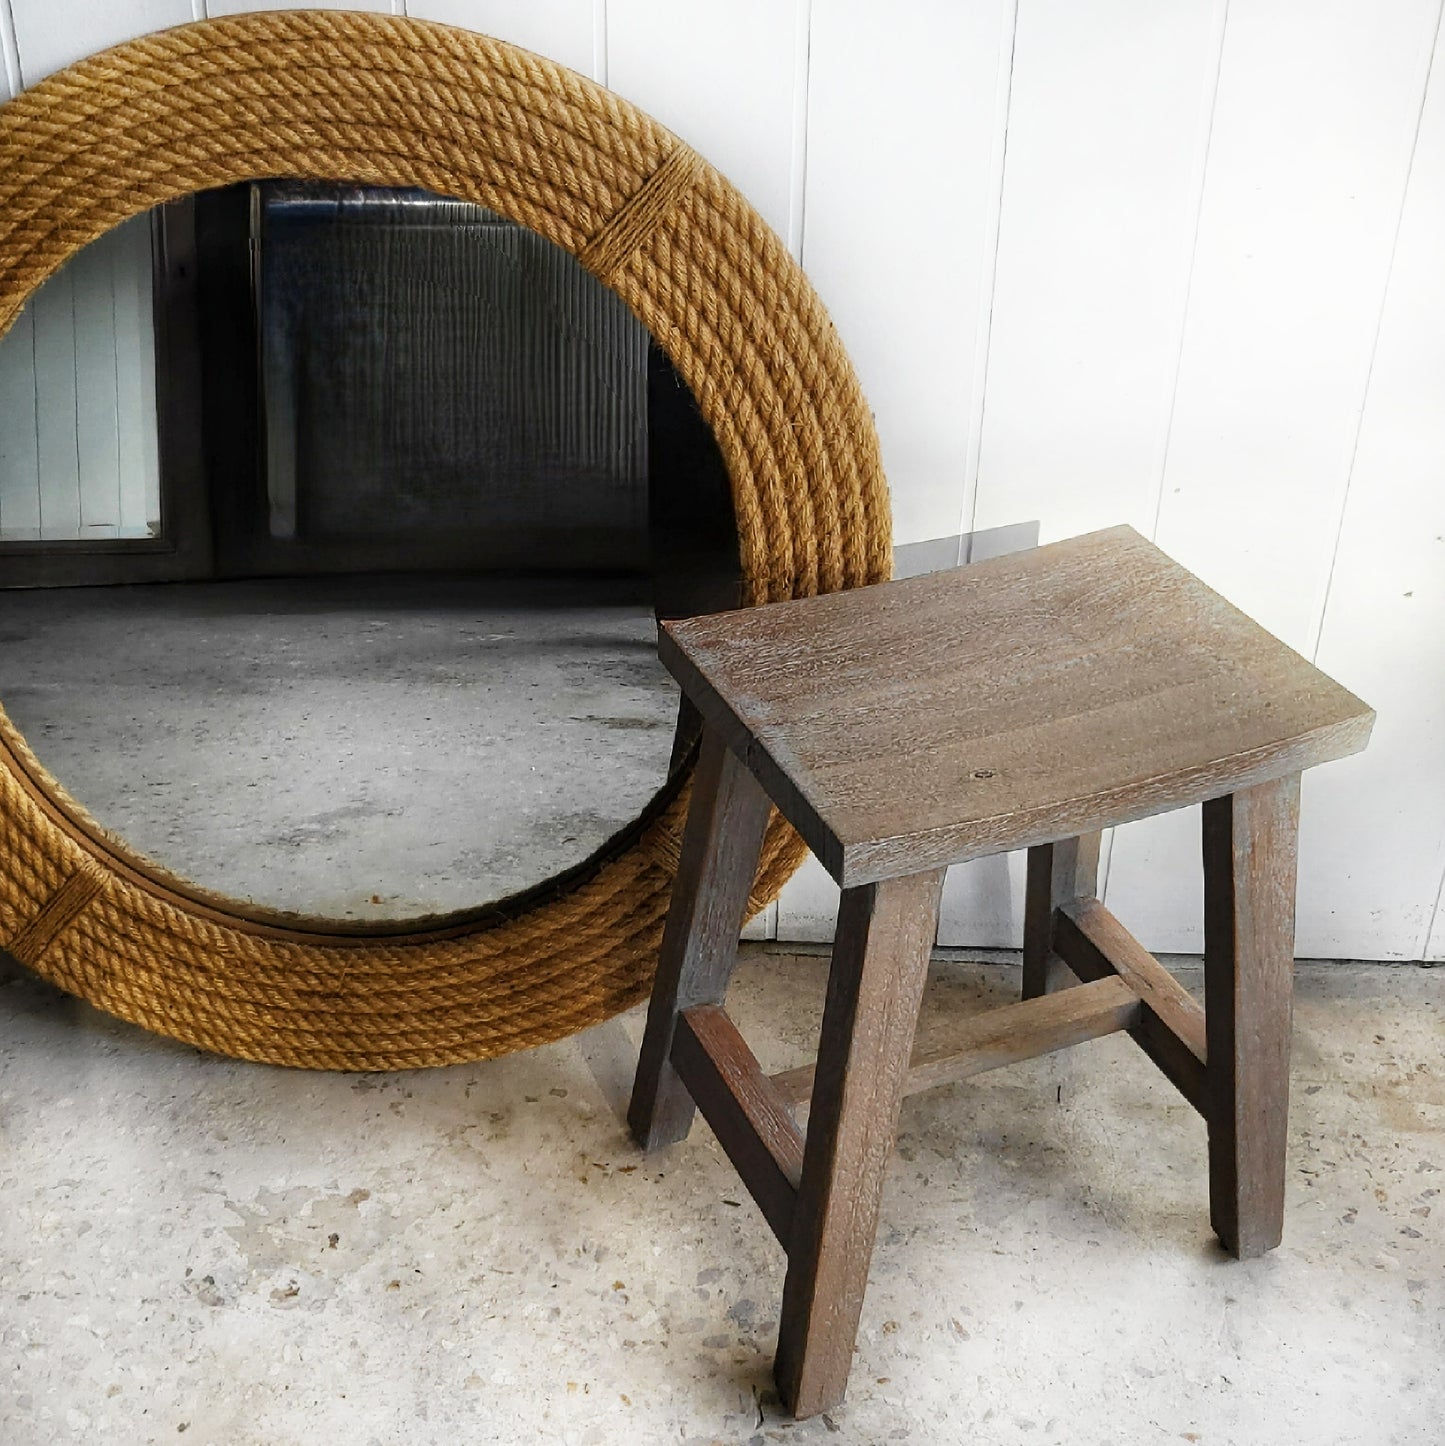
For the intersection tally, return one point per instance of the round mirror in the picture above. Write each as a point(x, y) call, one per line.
point(395, 651)
point(402, 103)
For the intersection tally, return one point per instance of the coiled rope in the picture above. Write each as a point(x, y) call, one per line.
point(387, 101)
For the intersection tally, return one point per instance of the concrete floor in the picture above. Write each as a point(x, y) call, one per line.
point(196, 1249)
point(202, 1250)
point(351, 747)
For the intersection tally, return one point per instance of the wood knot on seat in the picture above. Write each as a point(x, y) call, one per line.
point(631, 226)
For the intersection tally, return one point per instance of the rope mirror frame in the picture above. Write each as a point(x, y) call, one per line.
point(372, 99)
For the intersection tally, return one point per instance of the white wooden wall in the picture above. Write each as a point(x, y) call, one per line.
point(78, 443)
point(1170, 262)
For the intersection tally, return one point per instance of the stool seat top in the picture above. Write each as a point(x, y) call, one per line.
point(927, 721)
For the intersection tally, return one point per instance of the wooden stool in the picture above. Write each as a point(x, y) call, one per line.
point(1026, 702)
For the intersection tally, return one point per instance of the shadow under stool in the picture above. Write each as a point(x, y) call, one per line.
point(1025, 702)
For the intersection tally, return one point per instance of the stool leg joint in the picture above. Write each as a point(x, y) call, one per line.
point(1170, 1028)
point(1058, 874)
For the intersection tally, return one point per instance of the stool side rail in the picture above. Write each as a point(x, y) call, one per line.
point(747, 1114)
point(1170, 1030)
point(1004, 1036)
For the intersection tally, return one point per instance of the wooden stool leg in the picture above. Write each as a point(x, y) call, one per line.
point(880, 963)
point(1058, 874)
point(720, 847)
point(1249, 899)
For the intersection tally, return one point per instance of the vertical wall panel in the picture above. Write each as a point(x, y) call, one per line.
point(1435, 948)
point(97, 422)
point(983, 904)
point(724, 78)
point(19, 492)
point(904, 143)
point(54, 33)
point(53, 307)
point(9, 57)
point(1313, 129)
point(899, 220)
point(19, 458)
point(78, 435)
point(1312, 135)
point(1108, 120)
point(562, 30)
point(1056, 278)
point(1375, 847)
point(217, 8)
point(137, 442)
point(808, 905)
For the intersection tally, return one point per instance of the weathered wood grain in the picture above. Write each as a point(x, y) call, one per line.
point(880, 962)
point(720, 847)
point(747, 1114)
point(1004, 1036)
point(1249, 897)
point(1018, 701)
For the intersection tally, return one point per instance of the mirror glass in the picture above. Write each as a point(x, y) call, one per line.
point(416, 488)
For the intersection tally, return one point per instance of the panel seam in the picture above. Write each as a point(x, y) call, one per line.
point(968, 505)
point(1319, 622)
point(1436, 915)
point(599, 41)
point(802, 91)
point(10, 47)
point(1167, 424)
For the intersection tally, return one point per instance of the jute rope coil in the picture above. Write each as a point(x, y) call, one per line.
point(386, 101)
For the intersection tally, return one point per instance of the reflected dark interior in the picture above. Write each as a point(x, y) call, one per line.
point(394, 381)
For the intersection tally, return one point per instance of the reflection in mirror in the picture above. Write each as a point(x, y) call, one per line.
point(431, 492)
point(78, 455)
point(356, 748)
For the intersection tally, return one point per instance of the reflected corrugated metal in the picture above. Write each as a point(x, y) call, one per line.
point(430, 367)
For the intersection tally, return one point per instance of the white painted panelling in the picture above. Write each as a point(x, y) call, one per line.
point(217, 8)
point(55, 33)
point(1313, 128)
point(59, 454)
point(983, 904)
point(97, 421)
point(808, 905)
point(86, 464)
point(1017, 315)
point(1312, 135)
point(1107, 123)
point(900, 208)
point(9, 56)
point(1108, 120)
point(985, 901)
point(562, 30)
point(1435, 949)
point(1156, 880)
point(723, 77)
point(19, 459)
point(1374, 851)
point(138, 441)
point(764, 926)
point(904, 145)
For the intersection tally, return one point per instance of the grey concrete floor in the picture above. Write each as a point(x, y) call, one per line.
point(195, 1249)
point(356, 747)
point(200, 1250)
